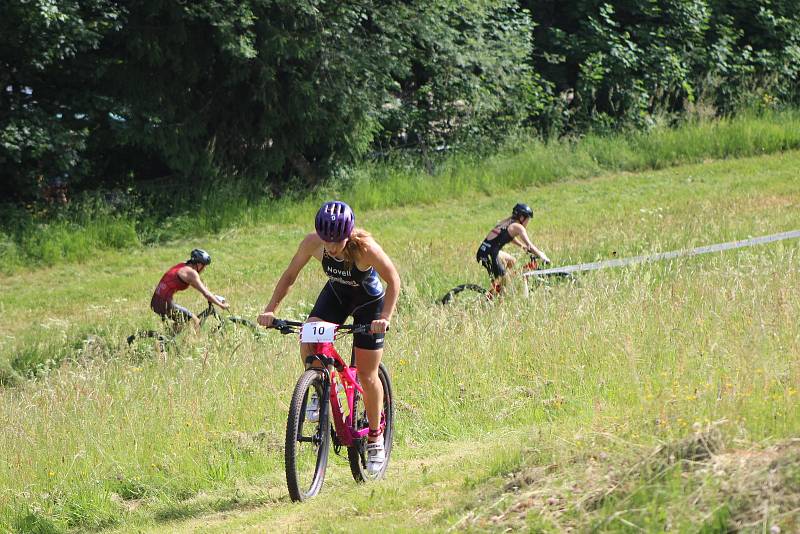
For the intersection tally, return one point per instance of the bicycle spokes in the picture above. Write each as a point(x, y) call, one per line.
point(307, 436)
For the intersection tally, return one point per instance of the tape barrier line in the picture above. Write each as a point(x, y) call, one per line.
point(622, 262)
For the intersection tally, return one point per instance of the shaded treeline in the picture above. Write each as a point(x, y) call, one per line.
point(280, 93)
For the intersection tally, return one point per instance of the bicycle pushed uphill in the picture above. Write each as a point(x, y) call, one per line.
point(327, 407)
point(466, 293)
point(175, 326)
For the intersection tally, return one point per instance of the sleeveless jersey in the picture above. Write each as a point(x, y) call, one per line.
point(493, 246)
point(171, 283)
point(342, 274)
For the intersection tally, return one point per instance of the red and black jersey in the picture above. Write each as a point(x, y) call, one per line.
point(171, 283)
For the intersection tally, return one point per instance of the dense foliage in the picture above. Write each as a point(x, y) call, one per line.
point(628, 62)
point(111, 93)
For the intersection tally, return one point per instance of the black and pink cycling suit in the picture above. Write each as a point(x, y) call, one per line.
point(162, 303)
point(490, 248)
point(350, 291)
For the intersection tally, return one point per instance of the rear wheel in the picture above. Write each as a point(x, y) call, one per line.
point(307, 442)
point(357, 454)
point(146, 334)
point(145, 343)
point(466, 294)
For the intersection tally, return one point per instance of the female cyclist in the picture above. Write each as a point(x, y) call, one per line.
point(509, 230)
point(353, 262)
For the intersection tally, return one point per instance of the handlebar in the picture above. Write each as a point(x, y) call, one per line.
point(211, 304)
point(292, 327)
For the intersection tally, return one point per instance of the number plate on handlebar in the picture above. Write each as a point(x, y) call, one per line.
point(320, 332)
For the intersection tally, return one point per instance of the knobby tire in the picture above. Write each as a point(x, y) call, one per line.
point(465, 293)
point(302, 482)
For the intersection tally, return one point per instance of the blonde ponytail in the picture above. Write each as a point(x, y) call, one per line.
point(357, 245)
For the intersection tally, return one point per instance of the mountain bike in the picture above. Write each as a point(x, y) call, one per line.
point(219, 323)
point(466, 293)
point(341, 421)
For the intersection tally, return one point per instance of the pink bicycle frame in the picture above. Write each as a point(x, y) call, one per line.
point(345, 427)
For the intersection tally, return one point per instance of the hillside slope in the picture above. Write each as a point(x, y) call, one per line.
point(509, 415)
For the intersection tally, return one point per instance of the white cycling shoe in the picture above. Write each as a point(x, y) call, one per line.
point(376, 456)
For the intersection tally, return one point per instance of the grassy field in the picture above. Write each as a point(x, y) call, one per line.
point(654, 397)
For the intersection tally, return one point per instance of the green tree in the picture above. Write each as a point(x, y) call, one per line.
point(754, 50)
point(47, 98)
point(464, 74)
point(620, 61)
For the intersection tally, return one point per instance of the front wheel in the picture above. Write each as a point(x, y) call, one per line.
point(307, 442)
point(246, 323)
point(357, 454)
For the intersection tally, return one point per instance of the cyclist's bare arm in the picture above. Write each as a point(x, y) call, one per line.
point(309, 247)
point(521, 239)
point(191, 277)
point(517, 241)
point(376, 256)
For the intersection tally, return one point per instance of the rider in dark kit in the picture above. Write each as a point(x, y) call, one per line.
point(509, 230)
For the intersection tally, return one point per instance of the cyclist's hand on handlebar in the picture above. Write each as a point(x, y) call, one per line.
point(379, 326)
point(266, 319)
point(542, 257)
point(221, 302)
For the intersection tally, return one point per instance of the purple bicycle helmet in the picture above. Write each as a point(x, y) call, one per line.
point(335, 221)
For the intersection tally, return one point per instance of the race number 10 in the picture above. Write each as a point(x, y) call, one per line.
point(318, 332)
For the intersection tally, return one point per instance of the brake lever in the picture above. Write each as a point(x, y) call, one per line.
point(367, 329)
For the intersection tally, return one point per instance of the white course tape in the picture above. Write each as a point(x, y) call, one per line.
point(622, 262)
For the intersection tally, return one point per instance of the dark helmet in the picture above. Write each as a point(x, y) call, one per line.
point(522, 210)
point(200, 256)
point(335, 221)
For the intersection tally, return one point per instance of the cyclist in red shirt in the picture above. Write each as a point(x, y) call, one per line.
point(178, 278)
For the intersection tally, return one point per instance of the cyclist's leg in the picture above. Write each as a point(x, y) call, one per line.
point(489, 262)
point(495, 266)
point(368, 350)
point(367, 362)
point(506, 260)
point(503, 262)
point(181, 316)
point(162, 308)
